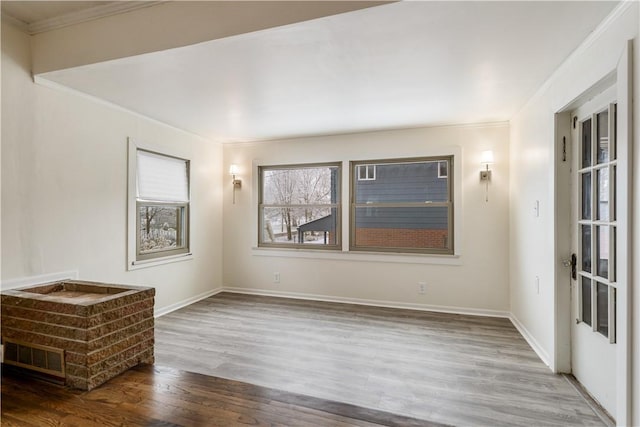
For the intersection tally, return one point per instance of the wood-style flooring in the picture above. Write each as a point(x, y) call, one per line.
point(443, 368)
point(158, 396)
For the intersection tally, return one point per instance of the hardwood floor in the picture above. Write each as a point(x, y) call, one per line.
point(158, 396)
point(451, 369)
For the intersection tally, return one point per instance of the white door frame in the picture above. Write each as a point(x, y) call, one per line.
point(561, 361)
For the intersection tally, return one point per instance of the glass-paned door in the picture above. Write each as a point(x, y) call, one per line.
point(597, 222)
point(594, 229)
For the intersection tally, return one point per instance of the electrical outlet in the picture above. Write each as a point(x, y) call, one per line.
point(422, 288)
point(276, 277)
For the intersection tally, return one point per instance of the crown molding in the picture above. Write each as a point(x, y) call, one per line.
point(594, 36)
point(77, 17)
point(8, 19)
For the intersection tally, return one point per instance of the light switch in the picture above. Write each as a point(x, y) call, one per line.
point(536, 208)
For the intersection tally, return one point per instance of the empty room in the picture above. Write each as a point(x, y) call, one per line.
point(320, 213)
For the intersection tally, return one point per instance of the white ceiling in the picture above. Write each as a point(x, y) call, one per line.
point(399, 65)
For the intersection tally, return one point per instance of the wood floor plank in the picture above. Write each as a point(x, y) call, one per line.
point(161, 396)
point(447, 368)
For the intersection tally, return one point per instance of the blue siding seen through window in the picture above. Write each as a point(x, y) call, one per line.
point(407, 208)
point(399, 183)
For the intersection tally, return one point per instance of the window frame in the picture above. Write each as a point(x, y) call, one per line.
point(450, 250)
point(338, 206)
point(136, 259)
point(446, 169)
point(367, 167)
point(182, 230)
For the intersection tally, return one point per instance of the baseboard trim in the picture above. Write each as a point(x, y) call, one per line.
point(374, 303)
point(180, 304)
point(530, 339)
point(596, 407)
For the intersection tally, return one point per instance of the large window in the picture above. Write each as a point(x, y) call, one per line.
point(162, 205)
point(408, 207)
point(299, 206)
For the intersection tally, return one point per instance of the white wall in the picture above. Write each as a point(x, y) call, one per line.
point(64, 186)
point(479, 282)
point(532, 178)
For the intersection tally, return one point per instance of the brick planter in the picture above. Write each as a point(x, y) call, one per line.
point(101, 329)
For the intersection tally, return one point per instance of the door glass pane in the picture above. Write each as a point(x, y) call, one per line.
point(586, 143)
point(586, 248)
point(614, 140)
point(586, 195)
point(602, 300)
point(603, 137)
point(585, 300)
point(612, 315)
point(602, 177)
point(602, 251)
point(612, 179)
point(614, 258)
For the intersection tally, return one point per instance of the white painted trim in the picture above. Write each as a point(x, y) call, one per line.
point(137, 265)
point(535, 345)
point(36, 280)
point(561, 360)
point(369, 302)
point(8, 19)
point(133, 145)
point(84, 15)
point(337, 255)
point(173, 307)
point(624, 199)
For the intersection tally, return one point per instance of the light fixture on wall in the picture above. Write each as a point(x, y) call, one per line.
point(237, 183)
point(486, 159)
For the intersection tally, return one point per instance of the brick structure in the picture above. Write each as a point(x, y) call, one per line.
point(401, 237)
point(103, 329)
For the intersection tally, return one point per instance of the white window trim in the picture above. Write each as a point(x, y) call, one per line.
point(367, 168)
point(457, 258)
point(132, 262)
point(439, 174)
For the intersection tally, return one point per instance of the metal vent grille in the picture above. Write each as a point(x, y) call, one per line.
point(39, 358)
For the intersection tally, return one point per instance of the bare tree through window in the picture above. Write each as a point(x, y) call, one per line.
point(293, 198)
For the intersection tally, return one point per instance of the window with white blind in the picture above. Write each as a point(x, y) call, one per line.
point(161, 205)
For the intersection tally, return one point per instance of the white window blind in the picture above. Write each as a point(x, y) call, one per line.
point(162, 178)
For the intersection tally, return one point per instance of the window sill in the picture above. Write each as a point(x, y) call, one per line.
point(359, 256)
point(137, 265)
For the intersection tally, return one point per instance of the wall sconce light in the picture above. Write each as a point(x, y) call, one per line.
point(237, 183)
point(486, 159)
